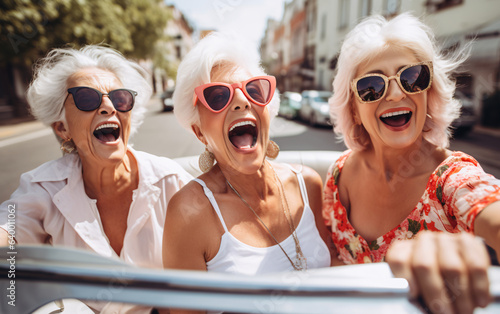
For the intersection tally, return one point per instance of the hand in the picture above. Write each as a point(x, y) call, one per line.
point(449, 271)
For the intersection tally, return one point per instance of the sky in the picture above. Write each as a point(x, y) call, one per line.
point(245, 17)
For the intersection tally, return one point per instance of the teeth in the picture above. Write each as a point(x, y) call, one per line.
point(242, 124)
point(107, 125)
point(396, 113)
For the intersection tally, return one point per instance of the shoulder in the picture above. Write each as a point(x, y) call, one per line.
point(458, 163)
point(311, 177)
point(190, 202)
point(338, 164)
point(55, 170)
point(312, 180)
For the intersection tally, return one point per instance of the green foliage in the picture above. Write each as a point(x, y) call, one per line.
point(30, 28)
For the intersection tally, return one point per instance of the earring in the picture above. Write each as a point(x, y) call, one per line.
point(67, 146)
point(429, 116)
point(206, 160)
point(272, 150)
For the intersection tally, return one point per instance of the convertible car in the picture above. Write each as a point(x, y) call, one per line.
point(46, 279)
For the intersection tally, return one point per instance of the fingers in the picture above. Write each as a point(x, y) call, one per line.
point(455, 277)
point(449, 271)
point(427, 271)
point(478, 261)
point(398, 257)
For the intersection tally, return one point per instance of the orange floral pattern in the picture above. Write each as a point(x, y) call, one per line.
point(456, 193)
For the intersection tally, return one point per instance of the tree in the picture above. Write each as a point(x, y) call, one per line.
point(30, 28)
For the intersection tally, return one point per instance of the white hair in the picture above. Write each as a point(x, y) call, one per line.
point(371, 37)
point(214, 50)
point(48, 89)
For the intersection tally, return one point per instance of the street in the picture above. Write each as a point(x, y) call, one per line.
point(160, 134)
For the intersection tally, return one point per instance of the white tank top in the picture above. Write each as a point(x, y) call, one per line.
point(237, 257)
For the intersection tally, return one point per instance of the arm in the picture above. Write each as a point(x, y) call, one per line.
point(450, 270)
point(4, 237)
point(25, 212)
point(185, 233)
point(315, 193)
point(487, 226)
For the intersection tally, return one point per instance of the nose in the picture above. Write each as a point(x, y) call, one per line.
point(240, 101)
point(106, 106)
point(394, 91)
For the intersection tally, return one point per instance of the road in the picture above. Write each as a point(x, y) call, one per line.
point(25, 147)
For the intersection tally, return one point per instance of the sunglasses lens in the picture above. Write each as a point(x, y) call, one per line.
point(416, 78)
point(259, 90)
point(370, 88)
point(122, 100)
point(86, 99)
point(217, 97)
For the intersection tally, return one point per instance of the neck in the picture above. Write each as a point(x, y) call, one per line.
point(252, 187)
point(109, 179)
point(394, 164)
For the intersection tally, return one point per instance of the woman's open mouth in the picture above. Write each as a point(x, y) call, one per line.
point(243, 135)
point(396, 119)
point(108, 132)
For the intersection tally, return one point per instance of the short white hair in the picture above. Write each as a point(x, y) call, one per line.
point(49, 87)
point(216, 49)
point(372, 36)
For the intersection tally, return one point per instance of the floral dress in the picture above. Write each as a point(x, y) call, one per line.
point(456, 193)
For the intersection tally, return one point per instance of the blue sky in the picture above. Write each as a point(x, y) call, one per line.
point(244, 17)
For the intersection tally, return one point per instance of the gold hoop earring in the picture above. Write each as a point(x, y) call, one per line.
point(206, 160)
point(272, 150)
point(67, 146)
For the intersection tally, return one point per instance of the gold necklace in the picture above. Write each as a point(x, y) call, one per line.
point(300, 260)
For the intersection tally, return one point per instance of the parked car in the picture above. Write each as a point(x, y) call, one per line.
point(290, 105)
point(166, 99)
point(468, 117)
point(315, 109)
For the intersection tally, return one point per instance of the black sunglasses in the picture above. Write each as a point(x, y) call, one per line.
point(413, 79)
point(89, 99)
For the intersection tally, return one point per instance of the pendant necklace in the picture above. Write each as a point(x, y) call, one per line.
point(300, 262)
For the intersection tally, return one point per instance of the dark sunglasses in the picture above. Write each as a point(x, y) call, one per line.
point(217, 96)
point(89, 99)
point(413, 79)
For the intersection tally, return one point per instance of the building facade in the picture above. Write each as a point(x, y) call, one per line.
point(454, 22)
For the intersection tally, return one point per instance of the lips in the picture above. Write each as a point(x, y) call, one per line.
point(243, 134)
point(396, 119)
point(107, 132)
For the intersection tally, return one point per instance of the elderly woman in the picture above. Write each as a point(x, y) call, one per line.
point(393, 107)
point(244, 215)
point(102, 195)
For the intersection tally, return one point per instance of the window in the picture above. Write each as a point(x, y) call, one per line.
point(344, 14)
point(365, 7)
point(392, 7)
point(323, 26)
point(436, 5)
point(311, 20)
